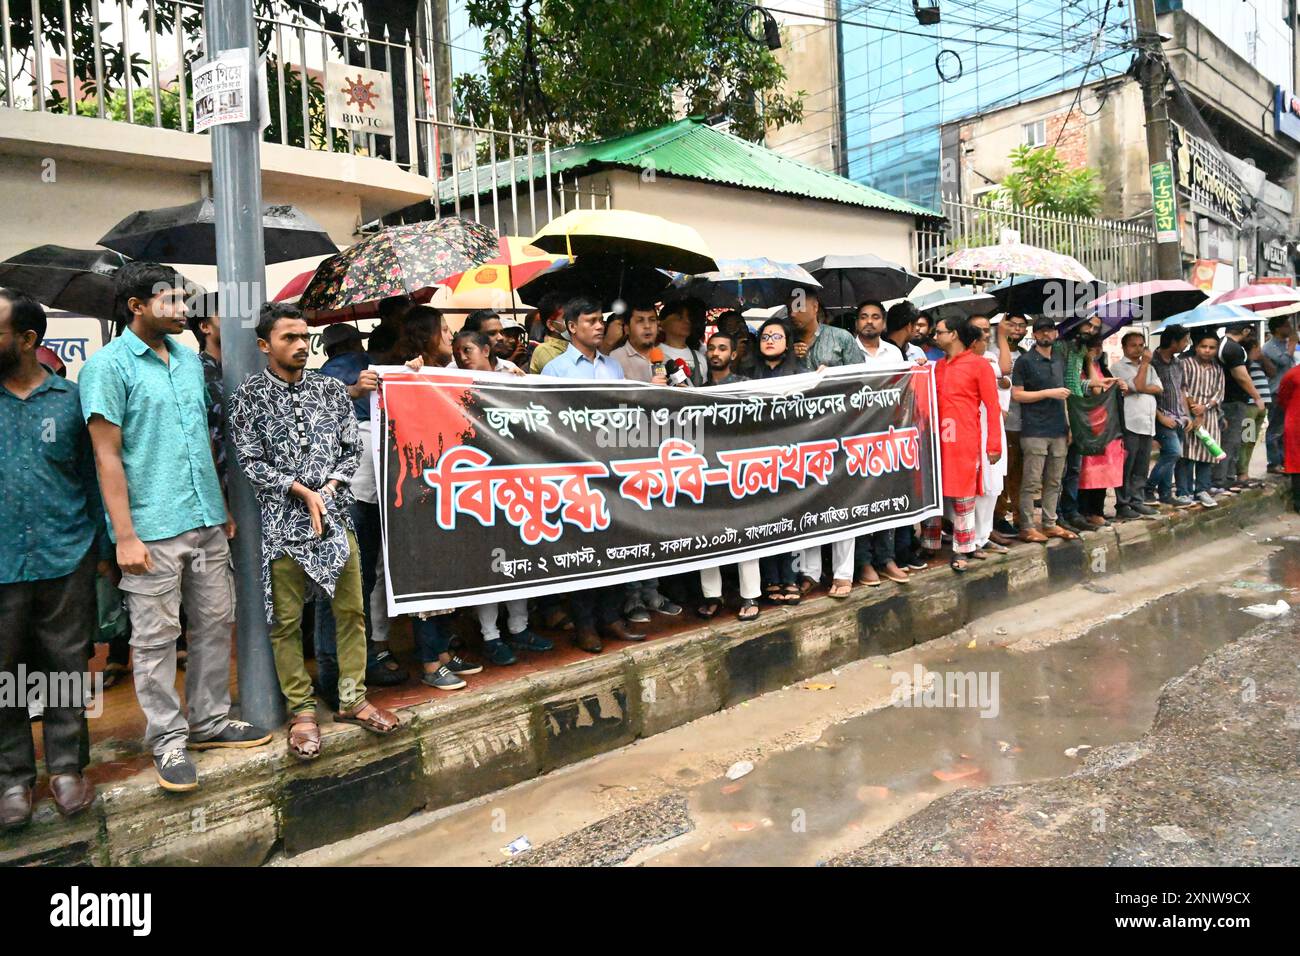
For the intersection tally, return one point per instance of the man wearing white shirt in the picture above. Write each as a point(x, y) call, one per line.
point(875, 552)
point(1139, 424)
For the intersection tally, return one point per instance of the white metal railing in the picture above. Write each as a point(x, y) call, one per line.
point(1113, 250)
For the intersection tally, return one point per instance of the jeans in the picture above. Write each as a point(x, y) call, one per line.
point(875, 549)
point(597, 607)
point(47, 628)
point(1137, 459)
point(1195, 477)
point(1161, 479)
point(777, 569)
point(905, 544)
point(432, 637)
point(1230, 432)
point(1273, 439)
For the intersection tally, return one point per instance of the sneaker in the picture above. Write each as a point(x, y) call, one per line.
point(379, 674)
point(915, 564)
point(1077, 522)
point(176, 771)
point(1144, 510)
point(236, 734)
point(1149, 496)
point(498, 653)
point(1126, 513)
point(1178, 501)
point(637, 613)
point(462, 667)
point(1003, 526)
point(665, 606)
point(442, 679)
point(526, 640)
point(1206, 500)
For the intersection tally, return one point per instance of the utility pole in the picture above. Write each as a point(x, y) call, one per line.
point(241, 282)
point(1164, 196)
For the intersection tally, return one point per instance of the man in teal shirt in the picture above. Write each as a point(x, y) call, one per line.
point(144, 399)
point(51, 535)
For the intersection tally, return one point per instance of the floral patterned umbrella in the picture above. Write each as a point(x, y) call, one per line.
point(399, 260)
point(1017, 258)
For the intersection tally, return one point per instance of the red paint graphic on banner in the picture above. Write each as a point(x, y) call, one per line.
point(425, 422)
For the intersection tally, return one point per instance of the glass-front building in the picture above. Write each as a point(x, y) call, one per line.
point(901, 81)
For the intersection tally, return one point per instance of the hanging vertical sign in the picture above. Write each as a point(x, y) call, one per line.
point(1164, 202)
point(221, 89)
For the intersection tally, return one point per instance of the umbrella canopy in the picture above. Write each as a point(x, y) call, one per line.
point(399, 260)
point(956, 302)
point(1151, 301)
point(847, 280)
point(1055, 298)
point(605, 278)
point(188, 234)
point(638, 238)
point(294, 288)
point(497, 278)
point(77, 280)
point(1263, 298)
point(746, 283)
point(1209, 314)
point(1017, 258)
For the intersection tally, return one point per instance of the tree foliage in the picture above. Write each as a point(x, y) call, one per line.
point(595, 68)
point(1040, 179)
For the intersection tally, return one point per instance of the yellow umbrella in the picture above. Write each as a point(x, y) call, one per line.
point(635, 237)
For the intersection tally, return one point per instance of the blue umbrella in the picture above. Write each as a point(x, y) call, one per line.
point(1209, 315)
point(747, 283)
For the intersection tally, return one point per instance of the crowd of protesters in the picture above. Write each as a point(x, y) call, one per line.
point(121, 479)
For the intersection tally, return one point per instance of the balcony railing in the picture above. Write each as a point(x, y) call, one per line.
point(1112, 250)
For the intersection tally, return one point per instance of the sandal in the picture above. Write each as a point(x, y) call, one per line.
point(774, 594)
point(748, 610)
point(996, 548)
point(840, 588)
point(115, 674)
point(709, 608)
point(805, 585)
point(372, 718)
point(793, 594)
point(958, 565)
point(978, 555)
point(304, 737)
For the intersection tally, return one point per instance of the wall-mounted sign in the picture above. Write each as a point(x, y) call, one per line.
point(1274, 260)
point(359, 99)
point(1286, 113)
point(1164, 202)
point(1205, 177)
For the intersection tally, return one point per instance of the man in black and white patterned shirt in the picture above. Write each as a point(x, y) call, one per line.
point(295, 433)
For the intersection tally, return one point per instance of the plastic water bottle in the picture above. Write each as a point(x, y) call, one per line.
point(1210, 444)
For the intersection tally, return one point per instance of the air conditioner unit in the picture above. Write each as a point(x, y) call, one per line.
point(927, 12)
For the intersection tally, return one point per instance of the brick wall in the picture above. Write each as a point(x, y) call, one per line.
point(1073, 147)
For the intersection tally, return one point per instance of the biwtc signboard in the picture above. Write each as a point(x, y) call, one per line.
point(496, 487)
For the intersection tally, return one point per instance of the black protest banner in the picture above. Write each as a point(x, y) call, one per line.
point(496, 487)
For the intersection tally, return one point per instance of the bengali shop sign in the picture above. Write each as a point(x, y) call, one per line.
point(497, 487)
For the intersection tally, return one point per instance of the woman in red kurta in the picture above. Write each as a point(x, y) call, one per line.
point(1287, 402)
point(964, 381)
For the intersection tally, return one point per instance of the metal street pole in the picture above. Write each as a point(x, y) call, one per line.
point(241, 281)
point(1169, 259)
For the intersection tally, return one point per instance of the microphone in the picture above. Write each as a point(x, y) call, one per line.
point(679, 375)
point(657, 362)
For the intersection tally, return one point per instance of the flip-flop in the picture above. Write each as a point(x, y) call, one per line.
point(958, 565)
point(840, 589)
point(709, 608)
point(748, 605)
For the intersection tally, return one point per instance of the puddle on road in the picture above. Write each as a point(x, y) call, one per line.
point(799, 806)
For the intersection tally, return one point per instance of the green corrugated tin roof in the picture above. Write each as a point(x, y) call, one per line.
point(692, 150)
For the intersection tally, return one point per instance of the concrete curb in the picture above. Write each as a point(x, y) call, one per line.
point(253, 803)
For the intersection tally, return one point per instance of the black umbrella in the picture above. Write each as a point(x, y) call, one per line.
point(847, 280)
point(605, 278)
point(75, 280)
point(1046, 295)
point(188, 234)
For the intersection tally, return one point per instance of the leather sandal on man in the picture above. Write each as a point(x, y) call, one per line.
point(372, 718)
point(840, 588)
point(72, 793)
point(304, 737)
point(896, 574)
point(1056, 531)
point(1032, 536)
point(586, 639)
